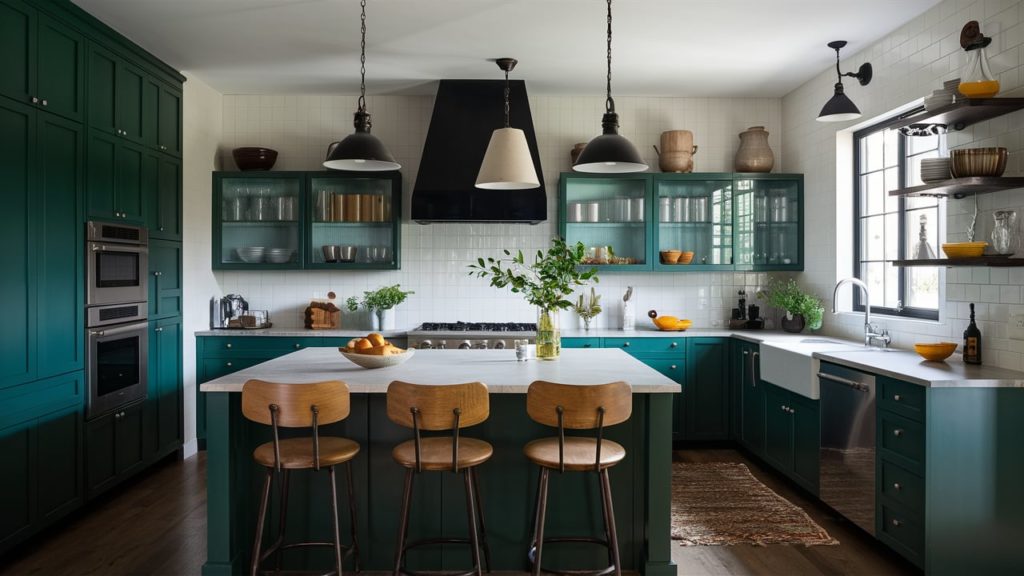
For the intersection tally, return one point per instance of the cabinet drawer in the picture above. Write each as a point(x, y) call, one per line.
point(902, 439)
point(636, 346)
point(902, 487)
point(581, 342)
point(902, 533)
point(673, 368)
point(216, 367)
point(902, 398)
point(225, 346)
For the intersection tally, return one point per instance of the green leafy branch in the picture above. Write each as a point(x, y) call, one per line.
point(547, 282)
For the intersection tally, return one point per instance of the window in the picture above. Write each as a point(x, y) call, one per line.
point(888, 228)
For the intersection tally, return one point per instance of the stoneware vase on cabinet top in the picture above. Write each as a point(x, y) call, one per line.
point(754, 154)
point(677, 150)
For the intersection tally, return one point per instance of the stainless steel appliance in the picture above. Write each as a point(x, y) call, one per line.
point(118, 345)
point(223, 310)
point(117, 261)
point(848, 443)
point(471, 335)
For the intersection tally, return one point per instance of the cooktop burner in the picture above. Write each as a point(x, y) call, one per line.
point(478, 327)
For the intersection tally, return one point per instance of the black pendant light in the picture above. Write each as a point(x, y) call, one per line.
point(361, 150)
point(840, 108)
point(609, 152)
point(507, 163)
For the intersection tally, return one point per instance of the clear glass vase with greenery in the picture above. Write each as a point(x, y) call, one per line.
point(546, 283)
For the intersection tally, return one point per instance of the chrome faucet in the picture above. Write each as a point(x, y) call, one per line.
point(871, 332)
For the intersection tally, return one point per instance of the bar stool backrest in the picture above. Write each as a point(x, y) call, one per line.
point(580, 405)
point(296, 403)
point(435, 406)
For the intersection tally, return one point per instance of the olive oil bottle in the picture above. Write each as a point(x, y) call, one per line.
point(972, 342)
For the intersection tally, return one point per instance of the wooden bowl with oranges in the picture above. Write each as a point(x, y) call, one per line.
point(374, 351)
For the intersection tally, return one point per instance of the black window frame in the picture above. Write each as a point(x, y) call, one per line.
point(858, 304)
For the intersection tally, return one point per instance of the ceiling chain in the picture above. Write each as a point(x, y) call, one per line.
point(362, 58)
point(507, 124)
point(609, 104)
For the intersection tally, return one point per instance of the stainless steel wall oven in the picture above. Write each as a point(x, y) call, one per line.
point(117, 258)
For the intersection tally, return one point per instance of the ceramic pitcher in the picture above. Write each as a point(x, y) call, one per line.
point(754, 154)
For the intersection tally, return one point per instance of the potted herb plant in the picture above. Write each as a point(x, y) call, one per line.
point(588, 308)
point(546, 283)
point(802, 309)
point(381, 304)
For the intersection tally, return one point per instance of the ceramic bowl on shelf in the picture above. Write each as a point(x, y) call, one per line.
point(685, 258)
point(251, 254)
point(935, 352)
point(670, 256)
point(253, 158)
point(966, 162)
point(372, 361)
point(279, 255)
point(964, 249)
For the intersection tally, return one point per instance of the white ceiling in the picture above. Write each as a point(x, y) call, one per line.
point(660, 47)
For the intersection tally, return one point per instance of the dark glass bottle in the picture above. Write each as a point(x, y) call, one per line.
point(972, 342)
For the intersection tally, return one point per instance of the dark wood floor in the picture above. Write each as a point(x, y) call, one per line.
point(157, 526)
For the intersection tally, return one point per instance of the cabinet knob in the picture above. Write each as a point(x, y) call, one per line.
point(161, 228)
point(35, 100)
point(228, 345)
point(157, 273)
point(625, 345)
point(228, 364)
point(672, 367)
point(586, 345)
point(45, 103)
point(674, 344)
point(897, 397)
point(746, 352)
point(897, 432)
point(897, 486)
point(297, 346)
point(783, 408)
point(163, 147)
point(896, 523)
point(158, 329)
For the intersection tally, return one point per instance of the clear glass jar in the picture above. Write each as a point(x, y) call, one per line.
point(1004, 232)
point(976, 80)
point(549, 339)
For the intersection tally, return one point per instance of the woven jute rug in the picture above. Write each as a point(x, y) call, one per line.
point(721, 503)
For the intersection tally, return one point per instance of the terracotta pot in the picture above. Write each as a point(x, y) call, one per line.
point(677, 150)
point(754, 154)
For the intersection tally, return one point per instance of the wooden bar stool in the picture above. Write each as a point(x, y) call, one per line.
point(436, 408)
point(577, 407)
point(301, 406)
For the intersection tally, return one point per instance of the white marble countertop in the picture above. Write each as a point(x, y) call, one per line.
point(496, 368)
point(909, 367)
point(301, 333)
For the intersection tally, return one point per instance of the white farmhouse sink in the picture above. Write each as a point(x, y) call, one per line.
point(789, 364)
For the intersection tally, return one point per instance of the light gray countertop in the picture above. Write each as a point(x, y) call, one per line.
point(496, 368)
point(909, 367)
point(301, 333)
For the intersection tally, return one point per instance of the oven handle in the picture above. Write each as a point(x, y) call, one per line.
point(97, 247)
point(848, 383)
point(119, 329)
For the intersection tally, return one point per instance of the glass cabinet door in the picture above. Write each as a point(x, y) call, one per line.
point(768, 223)
point(258, 219)
point(694, 215)
point(353, 221)
point(609, 215)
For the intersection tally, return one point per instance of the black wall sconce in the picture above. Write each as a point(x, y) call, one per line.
point(840, 108)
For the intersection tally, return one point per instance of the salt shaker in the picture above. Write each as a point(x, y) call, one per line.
point(522, 350)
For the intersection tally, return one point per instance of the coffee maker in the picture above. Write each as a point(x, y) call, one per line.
point(223, 310)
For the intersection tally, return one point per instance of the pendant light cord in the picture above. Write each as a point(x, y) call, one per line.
point(838, 72)
point(609, 104)
point(362, 58)
point(507, 124)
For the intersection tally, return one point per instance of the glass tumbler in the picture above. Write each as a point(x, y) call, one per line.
point(1004, 231)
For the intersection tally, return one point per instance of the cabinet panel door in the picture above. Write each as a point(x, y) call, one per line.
point(707, 393)
point(100, 464)
point(130, 96)
point(150, 116)
point(101, 175)
point(169, 380)
point(753, 409)
point(130, 182)
point(169, 123)
point(778, 429)
point(102, 90)
point(17, 49)
point(806, 441)
point(16, 480)
point(17, 283)
point(59, 247)
point(165, 209)
point(128, 439)
point(59, 463)
point(61, 69)
point(164, 279)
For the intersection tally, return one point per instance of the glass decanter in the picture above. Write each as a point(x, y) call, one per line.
point(1004, 231)
point(976, 79)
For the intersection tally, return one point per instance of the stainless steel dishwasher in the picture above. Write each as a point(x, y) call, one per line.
point(848, 443)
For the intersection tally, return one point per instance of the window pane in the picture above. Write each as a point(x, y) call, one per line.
point(922, 287)
point(914, 167)
point(872, 276)
point(873, 239)
point(915, 219)
point(892, 235)
point(892, 148)
point(892, 286)
point(922, 202)
point(892, 182)
point(918, 144)
point(873, 189)
point(875, 150)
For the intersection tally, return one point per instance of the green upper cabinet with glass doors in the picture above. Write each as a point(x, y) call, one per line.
point(728, 221)
point(306, 220)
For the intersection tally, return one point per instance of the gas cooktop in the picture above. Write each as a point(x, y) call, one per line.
point(477, 327)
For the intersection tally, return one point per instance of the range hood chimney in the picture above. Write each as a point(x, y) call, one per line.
point(465, 114)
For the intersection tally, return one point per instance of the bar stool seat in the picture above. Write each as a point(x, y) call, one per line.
point(297, 453)
point(436, 453)
point(580, 453)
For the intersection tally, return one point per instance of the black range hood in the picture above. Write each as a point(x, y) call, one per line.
point(465, 114)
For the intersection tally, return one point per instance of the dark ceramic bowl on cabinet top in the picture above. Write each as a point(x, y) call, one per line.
point(254, 158)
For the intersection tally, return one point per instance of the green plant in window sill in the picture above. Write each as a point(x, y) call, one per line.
point(788, 296)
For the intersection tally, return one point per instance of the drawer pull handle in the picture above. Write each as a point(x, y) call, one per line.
point(625, 344)
point(228, 345)
point(297, 346)
point(586, 345)
point(897, 486)
point(674, 344)
point(672, 367)
point(896, 523)
point(897, 397)
point(898, 432)
point(229, 364)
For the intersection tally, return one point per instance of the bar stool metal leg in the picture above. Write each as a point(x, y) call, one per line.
point(471, 517)
point(352, 512)
point(480, 517)
point(403, 525)
point(259, 523)
point(606, 490)
point(283, 512)
point(334, 519)
point(542, 508)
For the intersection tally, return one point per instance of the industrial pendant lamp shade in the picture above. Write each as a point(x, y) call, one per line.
point(609, 152)
point(840, 108)
point(507, 163)
point(361, 151)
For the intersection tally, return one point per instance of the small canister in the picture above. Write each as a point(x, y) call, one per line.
point(636, 209)
point(574, 212)
point(593, 211)
point(664, 209)
point(338, 208)
point(351, 208)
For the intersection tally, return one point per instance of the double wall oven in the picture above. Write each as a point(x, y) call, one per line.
point(117, 258)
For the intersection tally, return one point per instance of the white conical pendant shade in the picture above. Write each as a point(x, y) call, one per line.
point(507, 163)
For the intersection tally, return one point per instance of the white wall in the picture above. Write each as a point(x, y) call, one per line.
point(202, 127)
point(434, 257)
point(908, 65)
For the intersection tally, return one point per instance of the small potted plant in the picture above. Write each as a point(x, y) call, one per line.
point(381, 304)
point(588, 308)
point(802, 309)
point(546, 283)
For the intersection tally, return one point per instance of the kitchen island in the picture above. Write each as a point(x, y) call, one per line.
point(641, 484)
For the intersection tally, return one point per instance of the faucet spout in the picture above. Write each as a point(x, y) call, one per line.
point(871, 334)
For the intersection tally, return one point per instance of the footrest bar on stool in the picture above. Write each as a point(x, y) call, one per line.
point(532, 555)
point(279, 547)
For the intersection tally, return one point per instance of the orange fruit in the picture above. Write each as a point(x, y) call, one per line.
point(363, 345)
point(376, 339)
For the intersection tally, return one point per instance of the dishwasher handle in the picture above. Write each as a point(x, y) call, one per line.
point(845, 382)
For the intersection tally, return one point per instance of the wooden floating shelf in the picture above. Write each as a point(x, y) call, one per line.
point(992, 261)
point(963, 112)
point(961, 187)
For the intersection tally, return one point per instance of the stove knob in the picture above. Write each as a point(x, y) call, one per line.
point(481, 345)
point(426, 345)
point(464, 345)
point(499, 345)
point(442, 345)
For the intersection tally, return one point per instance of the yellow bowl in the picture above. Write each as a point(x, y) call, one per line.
point(679, 326)
point(936, 352)
point(964, 249)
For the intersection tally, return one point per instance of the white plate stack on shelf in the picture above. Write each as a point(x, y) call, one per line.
point(934, 169)
point(939, 98)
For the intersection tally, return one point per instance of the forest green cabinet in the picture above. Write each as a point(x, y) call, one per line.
point(169, 121)
point(43, 60)
point(117, 178)
point(165, 286)
point(706, 394)
point(768, 217)
point(114, 448)
point(163, 409)
point(123, 101)
point(752, 401)
point(792, 435)
point(163, 206)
